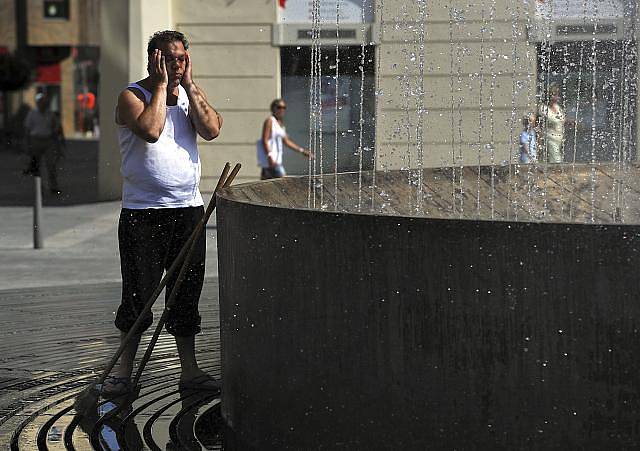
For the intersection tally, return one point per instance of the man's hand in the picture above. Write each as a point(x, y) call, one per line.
point(187, 76)
point(272, 162)
point(146, 120)
point(206, 120)
point(158, 70)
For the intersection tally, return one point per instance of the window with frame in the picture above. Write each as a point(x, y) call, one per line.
point(56, 9)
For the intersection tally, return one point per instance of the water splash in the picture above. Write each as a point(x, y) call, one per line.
point(492, 90)
point(378, 94)
point(421, 108)
point(456, 17)
point(477, 68)
point(514, 92)
point(594, 61)
point(315, 34)
point(575, 133)
point(480, 103)
point(361, 120)
point(335, 125)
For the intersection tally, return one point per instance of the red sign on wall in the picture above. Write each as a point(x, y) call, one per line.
point(49, 74)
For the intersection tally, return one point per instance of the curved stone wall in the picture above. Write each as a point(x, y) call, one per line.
point(388, 332)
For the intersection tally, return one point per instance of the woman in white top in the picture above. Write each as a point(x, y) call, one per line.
point(554, 120)
point(270, 146)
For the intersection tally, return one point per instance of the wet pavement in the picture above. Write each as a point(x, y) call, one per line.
point(55, 340)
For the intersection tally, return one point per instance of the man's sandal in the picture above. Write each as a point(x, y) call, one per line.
point(203, 382)
point(116, 386)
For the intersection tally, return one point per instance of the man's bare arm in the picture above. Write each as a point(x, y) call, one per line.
point(206, 119)
point(146, 121)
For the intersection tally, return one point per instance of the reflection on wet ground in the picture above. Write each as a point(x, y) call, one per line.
point(53, 342)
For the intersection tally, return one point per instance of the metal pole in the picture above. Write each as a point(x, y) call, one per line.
point(37, 212)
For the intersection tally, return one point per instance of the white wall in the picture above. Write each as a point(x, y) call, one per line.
point(114, 76)
point(466, 107)
point(146, 17)
point(234, 61)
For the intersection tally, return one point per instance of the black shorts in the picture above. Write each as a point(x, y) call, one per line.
point(150, 240)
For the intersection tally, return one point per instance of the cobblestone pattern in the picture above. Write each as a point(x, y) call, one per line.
point(54, 341)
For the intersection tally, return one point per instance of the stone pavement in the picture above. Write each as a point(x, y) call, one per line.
point(80, 235)
point(80, 246)
point(56, 326)
point(54, 340)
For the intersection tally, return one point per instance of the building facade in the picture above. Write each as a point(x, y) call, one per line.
point(61, 38)
point(452, 78)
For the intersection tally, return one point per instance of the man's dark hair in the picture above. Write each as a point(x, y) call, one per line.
point(165, 37)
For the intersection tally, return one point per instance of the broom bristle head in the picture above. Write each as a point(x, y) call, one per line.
point(87, 400)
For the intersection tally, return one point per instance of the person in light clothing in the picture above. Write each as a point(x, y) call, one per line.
point(158, 119)
point(554, 120)
point(271, 146)
point(529, 140)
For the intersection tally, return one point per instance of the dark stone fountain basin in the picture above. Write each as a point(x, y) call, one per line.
point(389, 329)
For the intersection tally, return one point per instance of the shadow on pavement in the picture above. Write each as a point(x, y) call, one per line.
point(77, 176)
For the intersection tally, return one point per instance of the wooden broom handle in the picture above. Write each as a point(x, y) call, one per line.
point(174, 292)
point(172, 269)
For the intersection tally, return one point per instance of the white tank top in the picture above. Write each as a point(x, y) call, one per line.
point(278, 132)
point(164, 174)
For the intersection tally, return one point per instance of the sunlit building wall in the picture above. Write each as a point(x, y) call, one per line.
point(453, 78)
point(7, 26)
point(233, 60)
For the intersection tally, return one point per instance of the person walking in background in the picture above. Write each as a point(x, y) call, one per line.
point(529, 140)
point(270, 146)
point(554, 120)
point(86, 104)
point(158, 119)
point(43, 139)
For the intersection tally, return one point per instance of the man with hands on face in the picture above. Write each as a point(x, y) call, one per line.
point(158, 118)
